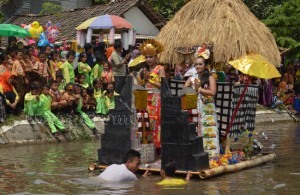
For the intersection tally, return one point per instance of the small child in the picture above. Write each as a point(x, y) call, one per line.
point(81, 81)
point(53, 64)
point(101, 108)
point(67, 67)
point(70, 98)
point(41, 67)
point(33, 107)
point(97, 69)
point(19, 80)
point(52, 120)
point(87, 104)
point(61, 82)
point(167, 173)
point(57, 103)
point(110, 96)
point(89, 123)
point(107, 75)
point(84, 68)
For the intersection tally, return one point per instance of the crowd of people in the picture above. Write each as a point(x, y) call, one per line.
point(36, 81)
point(277, 93)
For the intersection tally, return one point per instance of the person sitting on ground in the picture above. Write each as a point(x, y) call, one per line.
point(57, 103)
point(110, 97)
point(52, 120)
point(87, 104)
point(10, 94)
point(61, 82)
point(89, 123)
point(33, 107)
point(277, 101)
point(125, 171)
point(70, 98)
point(81, 81)
point(167, 173)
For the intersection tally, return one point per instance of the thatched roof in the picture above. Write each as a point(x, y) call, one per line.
point(228, 24)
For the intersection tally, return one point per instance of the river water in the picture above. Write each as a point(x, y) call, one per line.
point(62, 169)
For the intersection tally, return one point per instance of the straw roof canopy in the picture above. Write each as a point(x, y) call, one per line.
point(227, 24)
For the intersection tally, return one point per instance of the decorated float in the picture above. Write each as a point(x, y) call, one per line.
point(231, 33)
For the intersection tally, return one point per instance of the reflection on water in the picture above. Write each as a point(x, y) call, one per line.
point(62, 169)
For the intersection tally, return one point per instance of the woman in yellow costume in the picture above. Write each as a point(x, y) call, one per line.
point(152, 74)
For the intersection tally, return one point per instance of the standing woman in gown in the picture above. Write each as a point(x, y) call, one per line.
point(152, 75)
point(205, 84)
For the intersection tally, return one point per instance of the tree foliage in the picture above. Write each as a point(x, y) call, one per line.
point(263, 8)
point(1, 17)
point(101, 1)
point(167, 8)
point(285, 26)
point(50, 8)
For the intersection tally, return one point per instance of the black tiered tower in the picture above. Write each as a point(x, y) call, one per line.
point(179, 139)
point(116, 139)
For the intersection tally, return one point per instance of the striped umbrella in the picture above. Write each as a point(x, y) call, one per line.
point(105, 22)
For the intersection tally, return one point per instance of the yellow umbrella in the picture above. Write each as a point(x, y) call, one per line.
point(137, 61)
point(255, 65)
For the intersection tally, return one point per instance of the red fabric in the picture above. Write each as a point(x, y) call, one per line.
point(4, 82)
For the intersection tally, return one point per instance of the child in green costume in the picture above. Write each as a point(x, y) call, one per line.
point(81, 81)
point(33, 107)
point(61, 82)
point(97, 69)
point(85, 117)
point(110, 97)
point(67, 67)
point(84, 68)
point(52, 120)
point(101, 108)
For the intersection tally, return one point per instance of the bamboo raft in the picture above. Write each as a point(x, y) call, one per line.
point(207, 173)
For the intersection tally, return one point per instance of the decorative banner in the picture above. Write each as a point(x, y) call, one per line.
point(227, 98)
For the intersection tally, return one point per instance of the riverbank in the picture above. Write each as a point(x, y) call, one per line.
point(20, 131)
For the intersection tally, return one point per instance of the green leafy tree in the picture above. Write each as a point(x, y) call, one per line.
point(167, 8)
point(1, 17)
point(50, 8)
point(101, 1)
point(263, 8)
point(285, 26)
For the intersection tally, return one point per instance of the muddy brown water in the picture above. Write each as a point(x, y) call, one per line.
point(62, 169)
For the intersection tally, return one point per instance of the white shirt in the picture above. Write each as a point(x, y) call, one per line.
point(117, 173)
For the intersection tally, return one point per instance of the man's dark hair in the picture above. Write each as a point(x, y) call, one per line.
point(118, 45)
point(71, 53)
point(34, 86)
point(87, 47)
point(169, 169)
point(46, 86)
point(90, 90)
point(53, 82)
point(130, 155)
